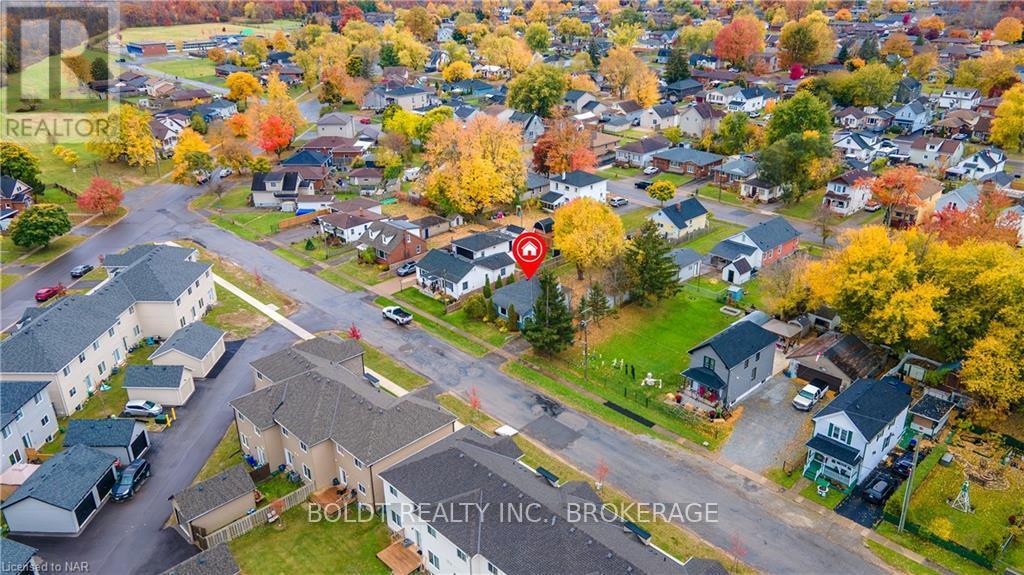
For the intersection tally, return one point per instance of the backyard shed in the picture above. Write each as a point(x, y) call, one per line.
point(168, 385)
point(215, 502)
point(930, 414)
point(197, 346)
point(125, 439)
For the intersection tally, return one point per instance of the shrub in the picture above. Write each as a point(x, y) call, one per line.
point(476, 307)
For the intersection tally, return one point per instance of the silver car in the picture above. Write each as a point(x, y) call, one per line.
point(142, 408)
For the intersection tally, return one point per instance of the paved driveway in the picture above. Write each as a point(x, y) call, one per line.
point(861, 511)
point(768, 426)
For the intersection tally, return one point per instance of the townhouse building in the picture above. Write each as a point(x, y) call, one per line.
point(27, 420)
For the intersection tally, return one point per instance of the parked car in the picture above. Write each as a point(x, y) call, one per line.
point(808, 396)
point(365, 121)
point(880, 490)
point(872, 206)
point(617, 201)
point(905, 461)
point(406, 269)
point(48, 293)
point(142, 408)
point(411, 174)
point(79, 271)
point(642, 185)
point(226, 172)
point(650, 170)
point(132, 477)
point(397, 315)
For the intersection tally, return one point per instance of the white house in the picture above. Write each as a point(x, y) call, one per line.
point(855, 431)
point(568, 186)
point(688, 262)
point(935, 153)
point(659, 117)
point(472, 262)
point(336, 124)
point(751, 100)
point(639, 153)
point(28, 420)
point(958, 98)
point(861, 146)
point(844, 196)
point(979, 165)
point(699, 119)
point(760, 190)
point(912, 116)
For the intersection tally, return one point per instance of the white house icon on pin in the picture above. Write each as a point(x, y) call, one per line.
point(530, 249)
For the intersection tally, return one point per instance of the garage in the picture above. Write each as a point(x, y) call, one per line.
point(810, 374)
point(196, 346)
point(126, 439)
point(168, 385)
point(139, 445)
point(85, 509)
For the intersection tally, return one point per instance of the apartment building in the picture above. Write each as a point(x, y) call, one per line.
point(74, 343)
point(27, 420)
point(315, 411)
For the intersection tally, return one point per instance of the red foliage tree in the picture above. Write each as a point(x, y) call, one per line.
point(896, 187)
point(101, 196)
point(474, 399)
point(563, 148)
point(796, 72)
point(348, 13)
point(601, 472)
point(274, 135)
point(354, 333)
point(987, 219)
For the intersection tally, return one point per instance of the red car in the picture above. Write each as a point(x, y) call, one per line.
point(365, 121)
point(49, 292)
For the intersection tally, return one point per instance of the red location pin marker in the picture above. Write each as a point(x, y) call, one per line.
point(529, 249)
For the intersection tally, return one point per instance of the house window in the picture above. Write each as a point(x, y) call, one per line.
point(201, 304)
point(284, 432)
point(886, 442)
point(44, 420)
point(306, 472)
point(177, 301)
point(753, 374)
point(256, 430)
point(396, 519)
point(26, 440)
point(434, 560)
point(361, 489)
point(189, 290)
point(359, 464)
point(392, 490)
point(15, 457)
point(288, 457)
point(757, 356)
point(73, 391)
point(38, 398)
point(131, 309)
point(431, 532)
point(102, 367)
point(303, 447)
point(67, 370)
point(460, 554)
point(117, 355)
point(492, 569)
point(96, 344)
point(193, 312)
point(81, 357)
point(465, 285)
point(243, 439)
point(709, 363)
point(110, 332)
point(746, 363)
point(7, 432)
point(136, 331)
point(18, 414)
point(182, 322)
point(843, 435)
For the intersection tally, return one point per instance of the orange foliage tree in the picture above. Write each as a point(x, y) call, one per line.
point(274, 135)
point(101, 196)
point(987, 219)
point(896, 187)
point(739, 39)
point(563, 148)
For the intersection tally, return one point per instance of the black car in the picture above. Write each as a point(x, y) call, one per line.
point(132, 477)
point(79, 271)
point(903, 464)
point(880, 490)
point(642, 185)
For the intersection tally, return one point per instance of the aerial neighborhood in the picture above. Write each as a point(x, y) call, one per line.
point(688, 287)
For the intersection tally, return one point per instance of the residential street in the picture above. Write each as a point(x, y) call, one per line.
point(768, 527)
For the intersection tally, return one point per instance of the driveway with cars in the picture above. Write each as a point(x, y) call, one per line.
point(768, 425)
point(862, 511)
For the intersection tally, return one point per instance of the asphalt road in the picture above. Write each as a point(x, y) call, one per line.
point(776, 536)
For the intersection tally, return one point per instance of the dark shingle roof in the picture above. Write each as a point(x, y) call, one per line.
point(214, 561)
point(16, 394)
point(14, 556)
point(445, 265)
point(111, 432)
point(66, 478)
point(705, 377)
point(833, 448)
point(165, 376)
point(194, 340)
point(683, 257)
point(772, 233)
point(521, 294)
point(205, 496)
point(482, 240)
point(683, 211)
point(729, 250)
point(306, 356)
point(847, 352)
point(870, 404)
point(932, 407)
point(577, 178)
point(738, 342)
point(689, 155)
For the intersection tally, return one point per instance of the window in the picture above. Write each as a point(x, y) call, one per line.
point(189, 290)
point(81, 357)
point(431, 532)
point(102, 367)
point(433, 559)
point(7, 432)
point(288, 457)
point(136, 331)
point(757, 356)
point(392, 490)
point(241, 417)
point(96, 344)
point(284, 432)
point(886, 442)
point(339, 450)
point(465, 285)
point(746, 363)
point(359, 464)
point(396, 519)
point(44, 421)
point(15, 457)
point(303, 447)
point(306, 472)
point(67, 370)
point(26, 440)
point(209, 295)
point(492, 569)
point(177, 301)
point(18, 414)
point(461, 555)
point(843, 435)
point(362, 489)
point(182, 322)
point(201, 304)
point(193, 312)
point(709, 362)
point(117, 355)
point(110, 332)
point(753, 374)
point(73, 391)
point(243, 439)
point(38, 398)
point(131, 309)
point(256, 430)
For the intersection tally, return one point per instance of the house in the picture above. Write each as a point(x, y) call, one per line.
point(408, 98)
point(566, 187)
point(278, 189)
point(848, 193)
point(225, 70)
point(74, 343)
point(14, 194)
point(760, 190)
point(341, 151)
point(344, 226)
point(63, 495)
point(761, 244)
point(979, 165)
point(438, 59)
point(316, 411)
point(695, 163)
point(659, 117)
point(473, 472)
point(214, 503)
point(390, 244)
point(520, 295)
point(908, 89)
point(366, 178)
point(189, 97)
point(930, 413)
point(536, 185)
point(638, 153)
point(920, 209)
point(734, 171)
point(26, 418)
point(704, 61)
point(472, 262)
point(434, 225)
point(166, 131)
point(307, 158)
point(935, 153)
point(688, 262)
point(216, 560)
point(861, 146)
point(577, 99)
point(699, 119)
point(125, 439)
point(531, 125)
point(850, 118)
point(338, 124)
point(168, 385)
point(221, 109)
point(680, 89)
point(603, 146)
point(719, 95)
point(856, 431)
point(197, 346)
point(751, 100)
point(955, 97)
point(912, 117)
point(731, 364)
point(682, 219)
point(836, 359)
point(358, 205)
point(18, 558)
point(279, 57)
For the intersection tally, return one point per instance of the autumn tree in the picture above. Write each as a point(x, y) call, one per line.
point(572, 27)
point(457, 72)
point(734, 131)
point(620, 67)
point(896, 187)
point(239, 125)
point(583, 83)
point(993, 71)
point(273, 135)
point(588, 233)
point(101, 196)
point(899, 45)
point(643, 88)
point(507, 52)
point(563, 148)
point(21, 164)
point(988, 218)
point(1008, 29)
point(783, 290)
point(242, 86)
point(1008, 124)
point(539, 89)
point(191, 157)
point(808, 41)
point(993, 369)
point(661, 191)
point(38, 224)
point(255, 46)
point(798, 163)
point(537, 37)
point(418, 21)
point(625, 35)
point(699, 39)
point(653, 274)
point(921, 65)
point(125, 134)
point(803, 112)
point(739, 39)
point(932, 25)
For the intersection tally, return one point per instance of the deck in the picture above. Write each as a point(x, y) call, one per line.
point(400, 559)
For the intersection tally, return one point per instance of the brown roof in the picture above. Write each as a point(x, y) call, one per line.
point(343, 220)
point(847, 352)
point(354, 204)
point(329, 142)
point(305, 172)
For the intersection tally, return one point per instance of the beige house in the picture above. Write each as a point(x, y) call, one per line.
point(168, 385)
point(316, 412)
point(682, 219)
point(211, 504)
point(197, 346)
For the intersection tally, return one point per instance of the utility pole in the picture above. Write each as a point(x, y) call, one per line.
point(584, 323)
point(910, 485)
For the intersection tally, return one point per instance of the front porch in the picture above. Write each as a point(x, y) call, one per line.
point(703, 389)
point(837, 463)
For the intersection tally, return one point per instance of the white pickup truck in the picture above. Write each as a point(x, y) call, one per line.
point(808, 396)
point(397, 315)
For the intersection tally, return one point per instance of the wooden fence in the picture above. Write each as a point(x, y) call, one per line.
point(254, 520)
point(300, 220)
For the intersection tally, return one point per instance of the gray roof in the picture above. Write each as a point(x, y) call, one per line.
point(738, 342)
point(66, 478)
point(577, 178)
point(689, 155)
point(207, 495)
point(214, 561)
point(306, 356)
point(471, 468)
point(495, 261)
point(482, 240)
point(681, 212)
point(698, 566)
point(111, 432)
point(328, 401)
point(164, 376)
point(684, 257)
point(932, 407)
point(870, 404)
point(57, 335)
point(772, 233)
point(445, 265)
point(534, 180)
point(522, 294)
point(743, 166)
point(194, 340)
point(729, 250)
point(16, 394)
point(14, 556)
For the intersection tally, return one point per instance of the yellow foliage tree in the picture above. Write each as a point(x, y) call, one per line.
point(625, 34)
point(458, 71)
point(620, 67)
point(584, 83)
point(1008, 125)
point(125, 133)
point(242, 86)
point(588, 233)
point(1008, 29)
point(189, 154)
point(643, 88)
point(507, 52)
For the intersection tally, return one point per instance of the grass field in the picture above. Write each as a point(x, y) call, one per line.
point(787, 480)
point(54, 170)
point(35, 82)
point(7, 280)
point(10, 252)
point(203, 31)
point(810, 492)
point(192, 68)
point(369, 274)
point(633, 219)
point(719, 231)
point(251, 226)
point(947, 559)
point(227, 453)
point(616, 172)
point(391, 369)
point(724, 195)
point(676, 179)
point(485, 331)
point(898, 561)
point(339, 280)
point(804, 209)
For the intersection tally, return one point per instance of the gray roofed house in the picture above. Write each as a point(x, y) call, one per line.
point(730, 364)
point(737, 169)
point(15, 557)
point(445, 265)
point(15, 395)
point(216, 560)
point(930, 414)
point(577, 178)
point(738, 342)
point(308, 355)
point(521, 294)
point(869, 404)
point(473, 468)
point(772, 233)
point(681, 218)
point(837, 359)
point(194, 340)
point(197, 500)
point(698, 566)
point(153, 375)
point(689, 155)
point(730, 250)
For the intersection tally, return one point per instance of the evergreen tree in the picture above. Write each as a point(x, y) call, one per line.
point(677, 68)
point(844, 53)
point(487, 287)
point(869, 49)
point(652, 273)
point(198, 123)
point(99, 68)
point(388, 55)
point(920, 40)
point(594, 53)
point(497, 283)
point(513, 318)
point(550, 329)
point(597, 301)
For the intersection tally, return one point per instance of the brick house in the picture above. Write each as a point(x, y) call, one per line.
point(687, 161)
point(391, 243)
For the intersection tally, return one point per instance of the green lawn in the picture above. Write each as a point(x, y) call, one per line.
point(10, 252)
point(724, 195)
point(900, 562)
point(467, 415)
point(192, 68)
point(339, 280)
point(633, 219)
point(90, 165)
point(616, 172)
point(947, 559)
point(204, 30)
point(719, 231)
point(227, 453)
point(294, 544)
point(369, 274)
point(276, 487)
point(804, 209)
point(485, 331)
point(391, 369)
point(235, 198)
point(293, 258)
point(263, 223)
point(458, 340)
point(787, 480)
point(830, 501)
point(35, 82)
point(7, 280)
point(676, 179)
